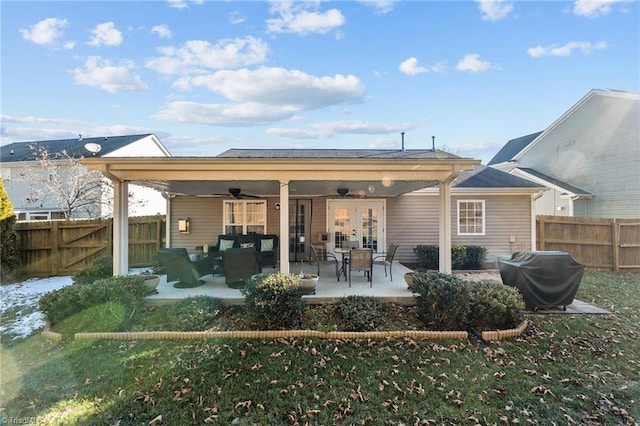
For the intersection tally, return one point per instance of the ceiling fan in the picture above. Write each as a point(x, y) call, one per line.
point(238, 194)
point(344, 193)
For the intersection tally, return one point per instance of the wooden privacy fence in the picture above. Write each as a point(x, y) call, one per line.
point(597, 243)
point(62, 247)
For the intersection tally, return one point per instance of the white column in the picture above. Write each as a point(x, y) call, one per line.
point(534, 197)
point(120, 228)
point(444, 196)
point(284, 226)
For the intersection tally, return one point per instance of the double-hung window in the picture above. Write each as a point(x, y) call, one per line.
point(471, 217)
point(245, 217)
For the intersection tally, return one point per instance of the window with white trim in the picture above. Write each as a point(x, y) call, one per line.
point(471, 217)
point(245, 217)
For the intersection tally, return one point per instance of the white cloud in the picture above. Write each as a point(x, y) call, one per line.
point(261, 96)
point(36, 120)
point(198, 55)
point(566, 50)
point(162, 31)
point(302, 18)
point(410, 67)
point(294, 133)
point(182, 4)
point(472, 63)
point(244, 114)
point(494, 10)
point(105, 34)
point(381, 7)
point(46, 31)
point(101, 73)
point(236, 17)
point(326, 130)
point(282, 87)
point(594, 8)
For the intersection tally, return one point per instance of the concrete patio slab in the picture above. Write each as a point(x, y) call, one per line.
point(329, 290)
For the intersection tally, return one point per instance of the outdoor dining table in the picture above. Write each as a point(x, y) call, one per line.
point(345, 258)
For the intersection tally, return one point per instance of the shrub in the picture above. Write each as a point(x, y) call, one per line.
point(462, 257)
point(442, 300)
point(66, 301)
point(458, 257)
point(360, 313)
point(474, 258)
point(274, 301)
point(494, 307)
point(101, 268)
point(196, 313)
point(10, 240)
point(428, 256)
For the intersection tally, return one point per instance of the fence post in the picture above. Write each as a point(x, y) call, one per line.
point(615, 244)
point(541, 235)
point(55, 248)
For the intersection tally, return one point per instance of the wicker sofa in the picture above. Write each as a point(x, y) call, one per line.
point(266, 245)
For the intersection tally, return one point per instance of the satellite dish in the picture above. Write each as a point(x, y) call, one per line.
point(93, 148)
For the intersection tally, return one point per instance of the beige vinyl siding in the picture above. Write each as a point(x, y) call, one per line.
point(596, 149)
point(205, 215)
point(413, 219)
point(207, 221)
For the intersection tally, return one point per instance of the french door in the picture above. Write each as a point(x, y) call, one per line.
point(299, 229)
point(357, 220)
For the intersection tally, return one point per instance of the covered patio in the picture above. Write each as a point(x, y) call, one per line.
point(284, 175)
point(328, 290)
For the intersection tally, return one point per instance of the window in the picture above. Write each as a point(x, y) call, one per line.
point(471, 217)
point(245, 217)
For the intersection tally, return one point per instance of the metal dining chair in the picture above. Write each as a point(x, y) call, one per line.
point(361, 260)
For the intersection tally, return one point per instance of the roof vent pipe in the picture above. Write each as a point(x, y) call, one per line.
point(433, 143)
point(402, 133)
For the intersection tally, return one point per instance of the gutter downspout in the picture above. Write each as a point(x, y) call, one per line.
point(534, 232)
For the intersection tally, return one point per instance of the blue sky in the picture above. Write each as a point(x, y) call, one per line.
point(206, 76)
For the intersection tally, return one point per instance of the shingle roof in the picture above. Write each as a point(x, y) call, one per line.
point(337, 153)
point(22, 151)
point(488, 177)
point(569, 188)
point(512, 147)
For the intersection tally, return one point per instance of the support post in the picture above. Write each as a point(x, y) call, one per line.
point(284, 226)
point(120, 228)
point(445, 226)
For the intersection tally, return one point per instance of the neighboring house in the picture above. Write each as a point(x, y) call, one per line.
point(21, 167)
point(589, 158)
point(376, 197)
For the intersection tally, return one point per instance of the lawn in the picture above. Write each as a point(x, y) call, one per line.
point(565, 369)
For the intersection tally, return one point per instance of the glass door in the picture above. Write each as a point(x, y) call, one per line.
point(360, 221)
point(299, 229)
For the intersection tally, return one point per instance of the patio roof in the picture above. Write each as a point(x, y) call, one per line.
point(379, 173)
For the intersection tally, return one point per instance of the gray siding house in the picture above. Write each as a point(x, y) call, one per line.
point(21, 162)
point(589, 158)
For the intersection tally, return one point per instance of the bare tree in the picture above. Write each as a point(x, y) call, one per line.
point(63, 181)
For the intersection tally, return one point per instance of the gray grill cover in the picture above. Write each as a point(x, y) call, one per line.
point(545, 278)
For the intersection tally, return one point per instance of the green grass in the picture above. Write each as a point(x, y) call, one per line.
point(567, 369)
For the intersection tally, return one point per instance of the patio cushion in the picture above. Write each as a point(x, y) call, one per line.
point(266, 244)
point(225, 244)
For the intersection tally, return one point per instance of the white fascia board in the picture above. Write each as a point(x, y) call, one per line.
point(480, 191)
point(549, 185)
